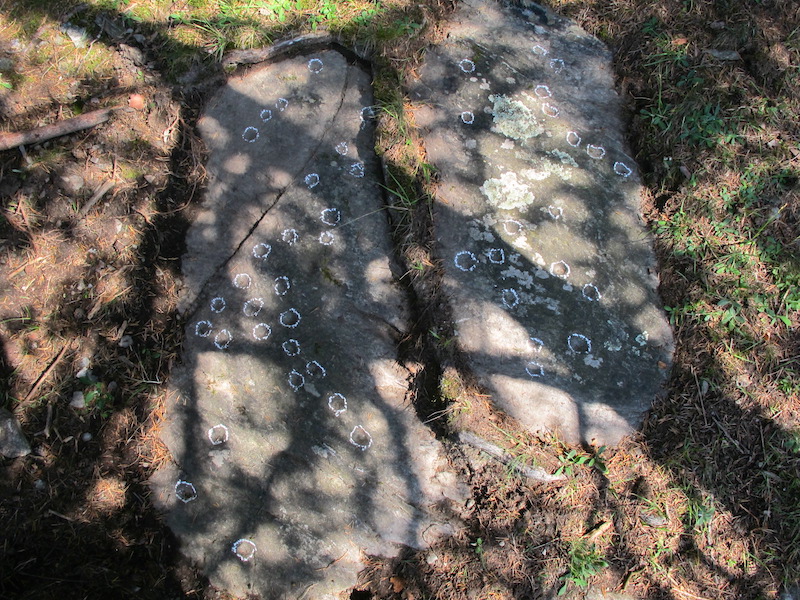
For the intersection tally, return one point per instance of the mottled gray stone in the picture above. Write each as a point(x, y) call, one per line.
point(549, 267)
point(71, 183)
point(13, 443)
point(594, 593)
point(289, 427)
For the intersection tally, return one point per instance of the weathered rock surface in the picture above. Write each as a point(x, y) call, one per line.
point(295, 451)
point(550, 270)
point(13, 443)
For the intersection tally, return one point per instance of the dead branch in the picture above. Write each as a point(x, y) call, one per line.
point(54, 130)
point(101, 191)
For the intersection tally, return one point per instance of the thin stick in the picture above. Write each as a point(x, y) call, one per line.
point(99, 193)
point(54, 130)
point(46, 372)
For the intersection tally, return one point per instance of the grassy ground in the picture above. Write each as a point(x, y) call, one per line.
point(704, 502)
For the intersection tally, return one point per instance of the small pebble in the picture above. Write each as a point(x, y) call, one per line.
point(726, 55)
point(126, 341)
point(39, 484)
point(654, 520)
point(137, 102)
point(78, 400)
point(86, 437)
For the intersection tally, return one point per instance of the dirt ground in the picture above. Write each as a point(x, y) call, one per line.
point(703, 502)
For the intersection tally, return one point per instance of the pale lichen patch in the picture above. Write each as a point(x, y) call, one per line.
point(513, 119)
point(508, 192)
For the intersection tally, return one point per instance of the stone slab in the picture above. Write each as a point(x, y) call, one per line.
point(549, 267)
point(295, 451)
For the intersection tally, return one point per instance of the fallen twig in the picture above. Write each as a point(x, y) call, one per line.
point(46, 431)
point(496, 452)
point(98, 194)
point(257, 55)
point(47, 132)
point(45, 373)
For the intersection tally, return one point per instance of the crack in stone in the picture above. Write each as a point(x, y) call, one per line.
point(312, 155)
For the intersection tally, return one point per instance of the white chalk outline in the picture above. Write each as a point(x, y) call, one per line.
point(337, 411)
point(356, 444)
point(531, 373)
point(266, 327)
point(466, 65)
point(595, 152)
point(211, 437)
point(282, 104)
point(519, 225)
point(540, 50)
point(545, 91)
point(471, 255)
point(557, 65)
point(287, 347)
point(538, 344)
point(290, 236)
point(565, 276)
point(467, 117)
point(262, 250)
point(215, 304)
point(291, 311)
point(198, 326)
point(180, 496)
point(244, 557)
point(247, 307)
point(296, 373)
point(333, 222)
point(242, 286)
point(551, 110)
point(311, 180)
point(283, 279)
point(223, 345)
point(620, 168)
point(370, 111)
point(245, 132)
point(555, 211)
point(513, 293)
point(342, 148)
point(560, 262)
point(326, 238)
point(582, 337)
point(315, 69)
point(491, 253)
point(313, 363)
point(573, 143)
point(356, 169)
point(267, 117)
point(596, 291)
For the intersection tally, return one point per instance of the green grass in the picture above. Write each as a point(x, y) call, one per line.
point(584, 563)
point(575, 458)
